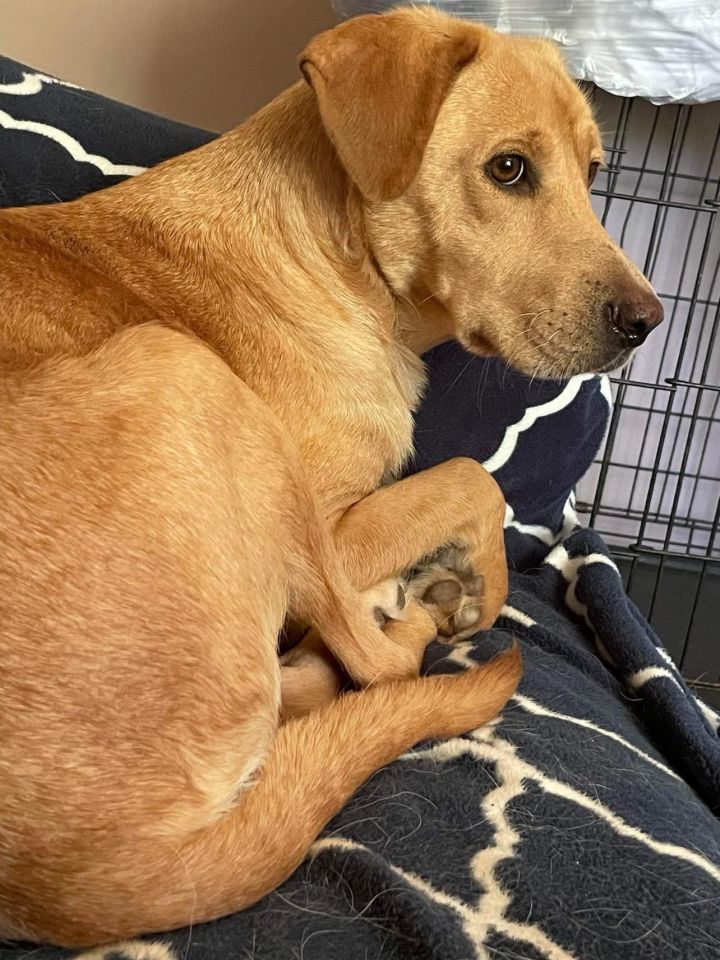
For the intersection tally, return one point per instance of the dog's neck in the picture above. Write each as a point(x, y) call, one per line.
point(289, 141)
point(271, 199)
point(423, 322)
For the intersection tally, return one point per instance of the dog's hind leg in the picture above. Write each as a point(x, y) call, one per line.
point(311, 676)
point(315, 765)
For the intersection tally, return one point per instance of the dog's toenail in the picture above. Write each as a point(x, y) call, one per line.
point(443, 592)
point(379, 616)
point(401, 599)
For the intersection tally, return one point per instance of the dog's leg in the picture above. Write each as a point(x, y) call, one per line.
point(322, 596)
point(315, 765)
point(457, 506)
point(311, 676)
point(457, 503)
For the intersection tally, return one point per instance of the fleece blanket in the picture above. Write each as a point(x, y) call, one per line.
point(581, 824)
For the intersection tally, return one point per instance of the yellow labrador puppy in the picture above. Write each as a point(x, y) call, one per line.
point(208, 381)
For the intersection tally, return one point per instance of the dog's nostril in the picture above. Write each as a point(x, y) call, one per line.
point(635, 333)
point(611, 314)
point(632, 320)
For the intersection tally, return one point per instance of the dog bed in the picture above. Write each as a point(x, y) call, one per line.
point(579, 826)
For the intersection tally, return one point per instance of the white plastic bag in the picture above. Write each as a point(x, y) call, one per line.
point(664, 50)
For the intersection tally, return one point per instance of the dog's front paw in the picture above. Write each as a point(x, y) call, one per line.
point(451, 592)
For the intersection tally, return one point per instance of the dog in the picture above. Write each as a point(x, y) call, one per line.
point(208, 381)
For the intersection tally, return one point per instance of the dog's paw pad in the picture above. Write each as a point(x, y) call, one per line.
point(451, 592)
point(443, 592)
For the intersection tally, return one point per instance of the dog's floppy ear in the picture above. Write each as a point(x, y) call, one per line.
point(380, 82)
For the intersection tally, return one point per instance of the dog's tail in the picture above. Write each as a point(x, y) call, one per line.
point(315, 765)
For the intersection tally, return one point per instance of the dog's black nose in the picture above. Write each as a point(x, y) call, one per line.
point(633, 318)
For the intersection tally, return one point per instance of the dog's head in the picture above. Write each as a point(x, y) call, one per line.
point(474, 153)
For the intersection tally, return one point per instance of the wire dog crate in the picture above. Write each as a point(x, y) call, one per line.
point(654, 491)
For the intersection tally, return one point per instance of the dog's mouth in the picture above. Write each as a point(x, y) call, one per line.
point(621, 360)
point(475, 342)
point(546, 367)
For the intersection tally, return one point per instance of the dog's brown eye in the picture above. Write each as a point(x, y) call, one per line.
point(592, 172)
point(507, 169)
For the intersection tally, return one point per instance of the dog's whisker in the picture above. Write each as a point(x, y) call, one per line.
point(430, 296)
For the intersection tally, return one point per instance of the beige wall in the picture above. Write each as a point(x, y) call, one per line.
point(207, 62)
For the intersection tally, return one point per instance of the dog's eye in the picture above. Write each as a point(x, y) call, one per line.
point(507, 169)
point(592, 172)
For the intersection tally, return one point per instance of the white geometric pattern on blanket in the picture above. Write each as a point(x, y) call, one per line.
point(712, 717)
point(462, 650)
point(534, 413)
point(509, 442)
point(538, 710)
point(545, 534)
point(638, 680)
point(32, 83)
point(518, 616)
point(494, 747)
point(462, 657)
point(511, 773)
point(570, 568)
point(73, 146)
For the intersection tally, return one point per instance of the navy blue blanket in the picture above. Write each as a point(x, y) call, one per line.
point(580, 824)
